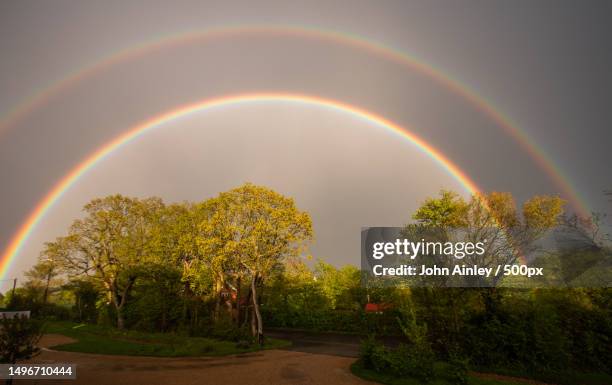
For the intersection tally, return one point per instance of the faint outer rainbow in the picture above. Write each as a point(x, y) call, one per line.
point(72, 177)
point(390, 53)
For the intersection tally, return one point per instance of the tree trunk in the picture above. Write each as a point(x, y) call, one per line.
point(253, 323)
point(46, 293)
point(218, 289)
point(79, 306)
point(186, 302)
point(115, 300)
point(247, 311)
point(238, 299)
point(120, 299)
point(119, 302)
point(120, 319)
point(259, 323)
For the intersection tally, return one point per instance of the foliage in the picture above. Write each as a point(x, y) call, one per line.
point(420, 357)
point(414, 359)
point(156, 299)
point(41, 277)
point(441, 377)
point(86, 296)
point(401, 361)
point(450, 210)
point(540, 333)
point(248, 232)
point(494, 220)
point(18, 338)
point(29, 298)
point(110, 245)
point(457, 370)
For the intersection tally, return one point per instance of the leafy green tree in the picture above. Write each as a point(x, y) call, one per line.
point(294, 297)
point(42, 275)
point(252, 229)
point(449, 210)
point(341, 286)
point(85, 294)
point(509, 233)
point(176, 247)
point(156, 301)
point(111, 244)
point(494, 219)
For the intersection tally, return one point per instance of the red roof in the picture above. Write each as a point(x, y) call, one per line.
point(376, 307)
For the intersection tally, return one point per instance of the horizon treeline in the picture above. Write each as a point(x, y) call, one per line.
point(226, 266)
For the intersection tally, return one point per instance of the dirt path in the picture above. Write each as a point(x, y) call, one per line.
point(275, 367)
point(344, 345)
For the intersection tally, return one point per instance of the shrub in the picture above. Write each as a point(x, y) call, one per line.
point(223, 328)
point(405, 360)
point(18, 338)
point(457, 370)
point(419, 353)
point(374, 355)
point(421, 361)
point(366, 354)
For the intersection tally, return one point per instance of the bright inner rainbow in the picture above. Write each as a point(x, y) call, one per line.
point(22, 235)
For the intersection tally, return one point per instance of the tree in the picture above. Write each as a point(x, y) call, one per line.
point(584, 250)
point(249, 231)
point(449, 210)
point(341, 287)
point(41, 275)
point(85, 297)
point(175, 243)
point(508, 234)
point(110, 245)
point(495, 219)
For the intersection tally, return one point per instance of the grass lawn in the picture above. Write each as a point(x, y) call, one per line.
point(106, 340)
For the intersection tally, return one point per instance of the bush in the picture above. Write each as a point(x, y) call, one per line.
point(546, 332)
point(421, 361)
point(457, 370)
point(225, 329)
point(51, 311)
point(156, 303)
point(405, 360)
point(86, 296)
point(366, 354)
point(420, 355)
point(18, 338)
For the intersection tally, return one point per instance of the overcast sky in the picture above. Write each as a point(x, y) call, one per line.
point(544, 64)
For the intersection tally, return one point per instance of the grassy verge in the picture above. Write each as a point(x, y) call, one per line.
point(371, 375)
point(105, 340)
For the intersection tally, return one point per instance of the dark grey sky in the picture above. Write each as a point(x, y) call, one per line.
point(545, 64)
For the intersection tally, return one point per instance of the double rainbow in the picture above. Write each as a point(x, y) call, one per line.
point(190, 37)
